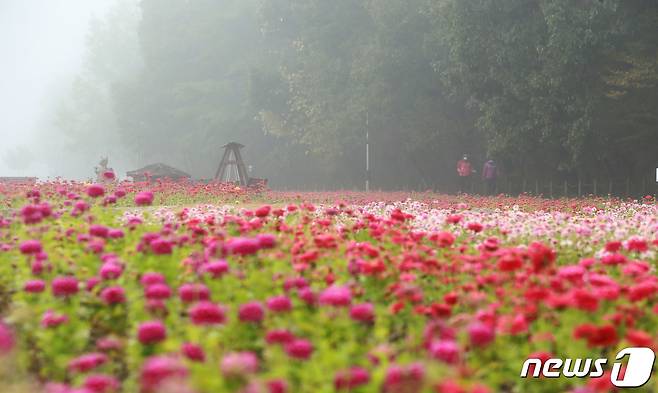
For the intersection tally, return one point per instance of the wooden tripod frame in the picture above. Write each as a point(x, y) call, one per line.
point(234, 149)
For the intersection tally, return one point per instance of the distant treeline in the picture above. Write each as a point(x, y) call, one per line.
point(552, 89)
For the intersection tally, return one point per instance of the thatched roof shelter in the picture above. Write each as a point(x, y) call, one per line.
point(157, 171)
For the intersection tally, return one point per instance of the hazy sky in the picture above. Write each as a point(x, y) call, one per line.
point(41, 48)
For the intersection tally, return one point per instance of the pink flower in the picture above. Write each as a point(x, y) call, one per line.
point(157, 291)
point(207, 313)
point(407, 379)
point(160, 369)
point(161, 246)
point(101, 383)
point(151, 332)
point(352, 378)
point(113, 295)
point(64, 286)
point(215, 269)
point(150, 278)
point(30, 247)
point(299, 349)
point(193, 352)
point(111, 271)
point(7, 340)
point(242, 246)
point(279, 336)
point(87, 362)
point(277, 386)
point(251, 312)
point(51, 319)
point(481, 334)
point(363, 312)
point(95, 190)
point(445, 350)
point(266, 240)
point(336, 296)
point(279, 303)
point(34, 286)
point(237, 364)
point(190, 293)
point(144, 198)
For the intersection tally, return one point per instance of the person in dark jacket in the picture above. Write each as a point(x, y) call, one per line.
point(490, 176)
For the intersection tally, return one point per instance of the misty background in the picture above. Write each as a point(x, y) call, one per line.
point(553, 89)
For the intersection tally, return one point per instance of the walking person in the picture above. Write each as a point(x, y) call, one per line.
point(464, 171)
point(490, 176)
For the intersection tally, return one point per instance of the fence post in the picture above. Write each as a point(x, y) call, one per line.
point(580, 188)
point(609, 188)
point(523, 186)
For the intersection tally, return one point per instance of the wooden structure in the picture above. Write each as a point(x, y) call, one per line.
point(231, 167)
point(157, 171)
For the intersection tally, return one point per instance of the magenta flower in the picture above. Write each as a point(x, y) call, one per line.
point(144, 198)
point(242, 246)
point(299, 349)
point(193, 352)
point(87, 362)
point(101, 383)
point(207, 313)
point(151, 332)
point(480, 334)
point(64, 286)
point(251, 312)
point(7, 340)
point(95, 190)
point(190, 293)
point(364, 312)
point(34, 286)
point(445, 350)
point(238, 364)
point(336, 296)
point(158, 370)
point(52, 319)
point(113, 295)
point(279, 304)
point(30, 247)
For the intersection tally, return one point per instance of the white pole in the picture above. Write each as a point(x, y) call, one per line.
point(367, 156)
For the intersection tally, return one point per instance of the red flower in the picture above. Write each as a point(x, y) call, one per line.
point(31, 247)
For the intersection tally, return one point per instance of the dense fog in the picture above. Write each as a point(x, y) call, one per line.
point(554, 92)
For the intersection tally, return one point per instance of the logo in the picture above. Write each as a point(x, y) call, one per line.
point(637, 373)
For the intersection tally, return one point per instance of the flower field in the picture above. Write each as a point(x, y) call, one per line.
point(179, 287)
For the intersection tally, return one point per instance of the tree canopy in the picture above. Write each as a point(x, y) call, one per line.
point(550, 88)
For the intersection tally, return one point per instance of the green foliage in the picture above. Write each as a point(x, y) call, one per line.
point(551, 88)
